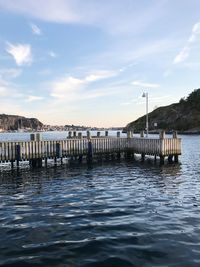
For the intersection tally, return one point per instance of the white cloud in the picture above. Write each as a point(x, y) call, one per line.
point(112, 15)
point(130, 65)
point(32, 98)
point(52, 54)
point(183, 55)
point(35, 29)
point(48, 10)
point(100, 75)
point(144, 84)
point(68, 87)
point(21, 53)
point(195, 32)
point(185, 52)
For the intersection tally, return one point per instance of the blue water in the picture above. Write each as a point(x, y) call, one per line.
point(115, 214)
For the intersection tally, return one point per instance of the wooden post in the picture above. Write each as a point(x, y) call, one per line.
point(142, 134)
point(90, 152)
point(170, 157)
point(69, 134)
point(79, 135)
point(98, 134)
point(106, 133)
point(142, 157)
point(12, 164)
point(174, 135)
point(129, 134)
point(18, 154)
point(162, 160)
point(118, 134)
point(46, 162)
point(32, 137)
point(162, 134)
point(58, 151)
point(176, 158)
point(38, 137)
point(88, 135)
point(74, 134)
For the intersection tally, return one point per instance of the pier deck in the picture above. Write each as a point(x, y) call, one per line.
point(88, 147)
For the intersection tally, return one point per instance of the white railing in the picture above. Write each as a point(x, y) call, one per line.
point(10, 151)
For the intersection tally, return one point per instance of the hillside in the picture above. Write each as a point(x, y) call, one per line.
point(183, 116)
point(14, 122)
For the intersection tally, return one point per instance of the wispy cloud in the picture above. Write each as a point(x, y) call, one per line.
point(130, 65)
point(20, 52)
point(66, 87)
point(112, 16)
point(69, 86)
point(52, 54)
point(35, 29)
point(144, 84)
point(98, 75)
point(10, 73)
point(32, 98)
point(185, 51)
point(195, 32)
point(48, 10)
point(182, 55)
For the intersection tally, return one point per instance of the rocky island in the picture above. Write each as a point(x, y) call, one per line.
point(15, 122)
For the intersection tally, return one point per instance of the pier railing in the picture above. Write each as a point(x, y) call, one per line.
point(162, 147)
point(156, 147)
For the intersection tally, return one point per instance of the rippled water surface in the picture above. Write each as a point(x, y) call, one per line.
point(115, 214)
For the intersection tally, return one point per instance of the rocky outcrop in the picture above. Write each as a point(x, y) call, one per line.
point(14, 122)
point(183, 116)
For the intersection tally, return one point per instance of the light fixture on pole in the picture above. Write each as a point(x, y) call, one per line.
point(145, 94)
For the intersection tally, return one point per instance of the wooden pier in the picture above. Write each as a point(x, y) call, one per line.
point(77, 147)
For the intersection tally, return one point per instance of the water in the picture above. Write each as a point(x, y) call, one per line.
point(116, 214)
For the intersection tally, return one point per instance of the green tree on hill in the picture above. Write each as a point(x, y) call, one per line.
point(182, 116)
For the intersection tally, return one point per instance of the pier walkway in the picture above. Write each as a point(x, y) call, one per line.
point(78, 147)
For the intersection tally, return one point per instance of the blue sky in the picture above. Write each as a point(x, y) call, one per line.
point(88, 62)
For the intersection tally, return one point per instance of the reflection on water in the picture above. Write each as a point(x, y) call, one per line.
point(115, 214)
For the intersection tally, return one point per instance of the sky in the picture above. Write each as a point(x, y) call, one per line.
point(88, 62)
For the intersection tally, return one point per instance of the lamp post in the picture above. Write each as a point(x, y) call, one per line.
point(145, 94)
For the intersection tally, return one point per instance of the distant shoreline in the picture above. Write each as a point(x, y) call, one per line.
point(170, 132)
point(100, 130)
point(74, 130)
